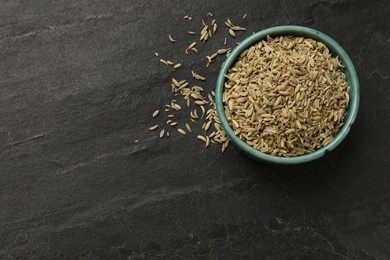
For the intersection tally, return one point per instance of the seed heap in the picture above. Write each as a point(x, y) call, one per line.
point(286, 96)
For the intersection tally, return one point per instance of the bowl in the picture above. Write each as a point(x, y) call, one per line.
point(335, 49)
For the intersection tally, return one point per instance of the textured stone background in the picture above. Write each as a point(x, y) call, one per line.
point(78, 83)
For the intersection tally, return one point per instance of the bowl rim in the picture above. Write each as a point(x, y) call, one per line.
point(335, 49)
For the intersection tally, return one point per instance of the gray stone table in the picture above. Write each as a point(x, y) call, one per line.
point(78, 83)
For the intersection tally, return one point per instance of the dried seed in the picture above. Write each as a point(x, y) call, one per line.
point(187, 17)
point(231, 32)
point(210, 14)
point(178, 65)
point(203, 111)
point(188, 128)
point(190, 46)
point(207, 141)
point(207, 126)
point(223, 148)
point(229, 23)
point(238, 28)
point(173, 124)
point(156, 53)
point(197, 88)
point(222, 51)
point(192, 115)
point(327, 140)
point(164, 61)
point(152, 128)
point(215, 26)
point(174, 81)
point(191, 33)
point(203, 36)
point(171, 39)
point(181, 131)
point(200, 102)
point(155, 113)
point(244, 16)
point(204, 30)
point(176, 107)
point(201, 137)
point(196, 114)
point(194, 50)
point(197, 76)
point(162, 132)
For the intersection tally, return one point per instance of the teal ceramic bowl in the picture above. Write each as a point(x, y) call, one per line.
point(336, 50)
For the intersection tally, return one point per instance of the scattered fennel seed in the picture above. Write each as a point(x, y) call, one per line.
point(171, 39)
point(152, 128)
point(155, 113)
point(181, 131)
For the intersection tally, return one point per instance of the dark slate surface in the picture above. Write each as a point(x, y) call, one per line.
point(78, 83)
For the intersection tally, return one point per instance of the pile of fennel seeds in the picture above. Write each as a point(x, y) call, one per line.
point(286, 96)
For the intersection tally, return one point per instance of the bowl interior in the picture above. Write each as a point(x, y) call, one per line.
point(335, 49)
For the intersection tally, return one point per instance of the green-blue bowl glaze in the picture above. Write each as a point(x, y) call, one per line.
point(336, 50)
